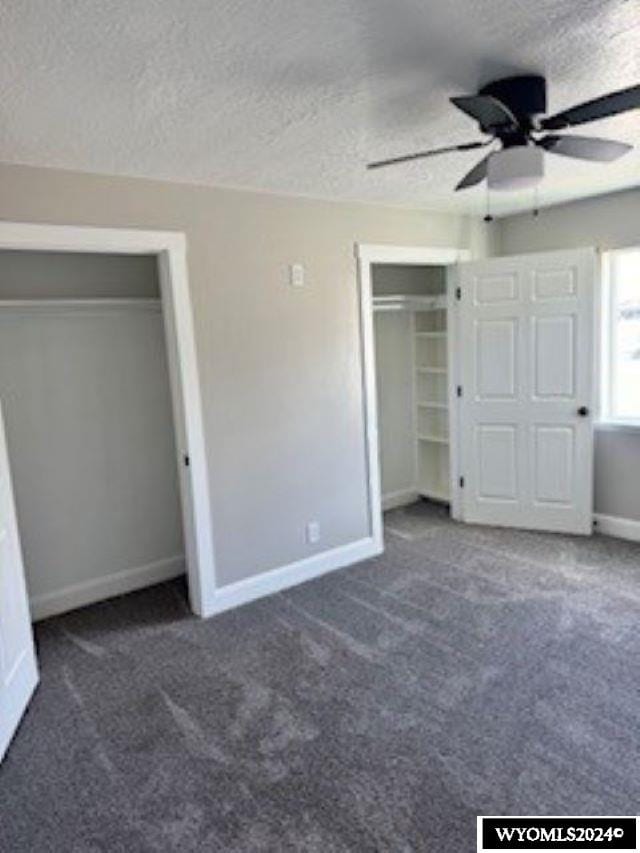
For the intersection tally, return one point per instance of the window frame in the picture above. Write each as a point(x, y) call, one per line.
point(607, 341)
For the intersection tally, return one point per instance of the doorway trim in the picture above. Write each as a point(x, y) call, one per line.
point(368, 254)
point(170, 248)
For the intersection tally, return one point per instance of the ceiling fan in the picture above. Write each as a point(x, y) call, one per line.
point(511, 111)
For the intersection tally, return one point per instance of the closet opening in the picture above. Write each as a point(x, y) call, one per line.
point(409, 330)
point(101, 408)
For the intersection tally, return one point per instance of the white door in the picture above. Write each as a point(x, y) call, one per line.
point(18, 668)
point(527, 375)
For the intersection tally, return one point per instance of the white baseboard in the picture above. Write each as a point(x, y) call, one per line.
point(267, 583)
point(393, 500)
point(88, 592)
point(621, 528)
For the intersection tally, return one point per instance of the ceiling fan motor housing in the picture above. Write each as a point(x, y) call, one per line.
point(524, 95)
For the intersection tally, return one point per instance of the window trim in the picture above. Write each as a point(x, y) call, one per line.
point(606, 338)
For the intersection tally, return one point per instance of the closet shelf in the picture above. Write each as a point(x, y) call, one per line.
point(432, 335)
point(91, 304)
point(437, 370)
point(428, 404)
point(409, 303)
point(433, 439)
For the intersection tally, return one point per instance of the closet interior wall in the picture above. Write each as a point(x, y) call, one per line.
point(86, 398)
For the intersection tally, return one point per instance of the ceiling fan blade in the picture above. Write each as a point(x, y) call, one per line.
point(608, 105)
point(584, 147)
point(487, 110)
point(476, 175)
point(466, 146)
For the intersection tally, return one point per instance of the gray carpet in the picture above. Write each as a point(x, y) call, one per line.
point(380, 708)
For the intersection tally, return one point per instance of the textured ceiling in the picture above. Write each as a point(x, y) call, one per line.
point(294, 96)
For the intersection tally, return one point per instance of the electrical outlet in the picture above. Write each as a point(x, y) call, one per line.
point(313, 532)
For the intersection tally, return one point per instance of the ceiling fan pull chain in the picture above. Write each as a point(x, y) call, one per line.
point(488, 217)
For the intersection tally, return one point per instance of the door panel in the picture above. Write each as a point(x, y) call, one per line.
point(553, 454)
point(527, 342)
point(494, 289)
point(554, 283)
point(554, 343)
point(496, 359)
point(18, 669)
point(496, 452)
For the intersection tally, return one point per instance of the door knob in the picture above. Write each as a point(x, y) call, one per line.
point(583, 411)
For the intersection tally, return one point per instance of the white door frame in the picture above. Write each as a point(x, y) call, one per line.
point(367, 255)
point(170, 249)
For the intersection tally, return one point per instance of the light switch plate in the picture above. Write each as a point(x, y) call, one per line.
point(313, 532)
point(296, 275)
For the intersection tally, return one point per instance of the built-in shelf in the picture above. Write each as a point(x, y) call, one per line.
point(434, 439)
point(66, 304)
point(409, 303)
point(431, 404)
point(431, 387)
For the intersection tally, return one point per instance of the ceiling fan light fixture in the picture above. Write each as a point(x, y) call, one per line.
point(516, 168)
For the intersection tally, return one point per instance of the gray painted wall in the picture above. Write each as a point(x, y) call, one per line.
point(617, 473)
point(280, 367)
point(89, 427)
point(607, 222)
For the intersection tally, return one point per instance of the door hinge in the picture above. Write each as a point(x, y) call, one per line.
point(459, 390)
point(461, 481)
point(186, 460)
point(458, 293)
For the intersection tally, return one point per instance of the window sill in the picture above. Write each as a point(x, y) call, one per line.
point(619, 426)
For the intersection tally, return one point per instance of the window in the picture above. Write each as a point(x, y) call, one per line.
point(621, 338)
